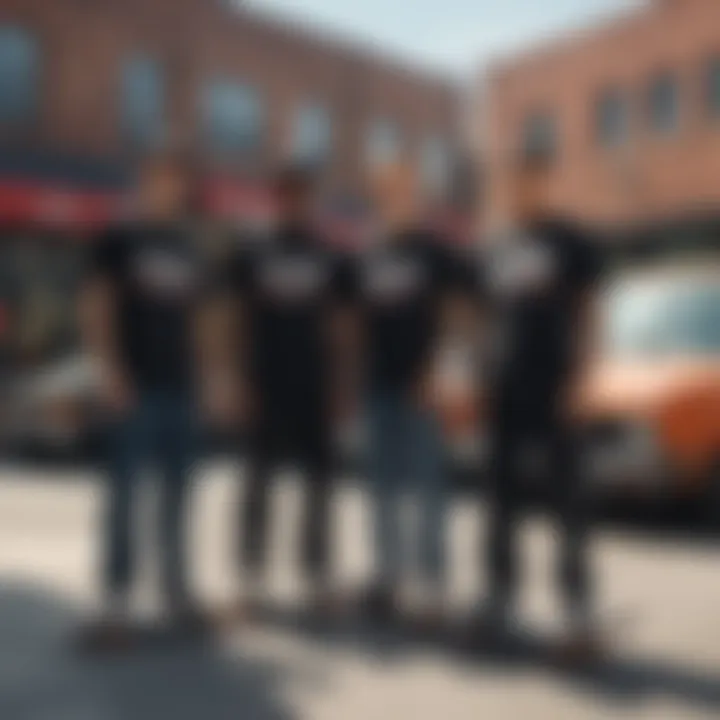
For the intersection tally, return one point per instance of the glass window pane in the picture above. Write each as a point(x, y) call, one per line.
point(664, 104)
point(540, 136)
point(233, 117)
point(19, 70)
point(612, 118)
point(142, 101)
point(383, 142)
point(312, 133)
point(714, 88)
point(435, 164)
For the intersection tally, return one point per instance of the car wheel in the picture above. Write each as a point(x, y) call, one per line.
point(710, 500)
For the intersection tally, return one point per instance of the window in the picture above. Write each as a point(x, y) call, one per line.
point(233, 117)
point(143, 102)
point(539, 137)
point(19, 75)
point(664, 104)
point(312, 133)
point(713, 88)
point(435, 164)
point(613, 119)
point(383, 142)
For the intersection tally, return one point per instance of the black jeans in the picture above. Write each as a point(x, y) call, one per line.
point(304, 440)
point(518, 427)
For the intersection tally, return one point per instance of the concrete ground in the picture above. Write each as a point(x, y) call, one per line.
point(660, 596)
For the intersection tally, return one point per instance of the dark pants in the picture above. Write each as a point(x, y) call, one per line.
point(520, 428)
point(161, 429)
point(405, 453)
point(297, 433)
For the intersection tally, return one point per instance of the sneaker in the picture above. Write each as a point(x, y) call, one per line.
point(249, 604)
point(494, 625)
point(430, 619)
point(325, 605)
point(582, 645)
point(107, 636)
point(323, 598)
point(189, 619)
point(380, 604)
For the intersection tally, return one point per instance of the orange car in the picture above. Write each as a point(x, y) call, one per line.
point(650, 406)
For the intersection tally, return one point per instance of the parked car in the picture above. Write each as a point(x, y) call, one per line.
point(650, 406)
point(50, 411)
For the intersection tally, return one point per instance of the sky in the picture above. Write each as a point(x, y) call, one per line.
point(454, 36)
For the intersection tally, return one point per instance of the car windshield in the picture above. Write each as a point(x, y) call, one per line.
point(664, 317)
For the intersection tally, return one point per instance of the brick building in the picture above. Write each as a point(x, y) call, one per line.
point(85, 82)
point(627, 115)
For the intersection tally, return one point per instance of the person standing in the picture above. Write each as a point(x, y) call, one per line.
point(138, 312)
point(538, 283)
point(290, 292)
point(405, 277)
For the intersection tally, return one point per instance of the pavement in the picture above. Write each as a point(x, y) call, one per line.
point(659, 594)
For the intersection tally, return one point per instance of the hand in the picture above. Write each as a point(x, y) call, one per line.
point(343, 407)
point(425, 392)
point(219, 404)
point(247, 405)
point(116, 391)
point(573, 398)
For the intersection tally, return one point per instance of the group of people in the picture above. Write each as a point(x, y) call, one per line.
point(287, 336)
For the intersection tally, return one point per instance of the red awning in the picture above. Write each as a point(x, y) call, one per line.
point(237, 200)
point(38, 204)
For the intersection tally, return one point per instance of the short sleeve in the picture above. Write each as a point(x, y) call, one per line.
point(236, 276)
point(469, 274)
point(106, 255)
point(586, 259)
point(454, 269)
point(345, 280)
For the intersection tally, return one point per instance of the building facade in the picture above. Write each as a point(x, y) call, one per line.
point(626, 116)
point(83, 81)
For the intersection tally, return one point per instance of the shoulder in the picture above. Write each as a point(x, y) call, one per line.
point(424, 243)
point(439, 249)
point(242, 255)
point(118, 234)
point(562, 232)
point(339, 256)
point(578, 240)
point(110, 247)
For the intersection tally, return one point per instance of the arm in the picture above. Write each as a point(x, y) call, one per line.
point(586, 349)
point(346, 359)
point(587, 318)
point(98, 326)
point(215, 351)
point(346, 339)
point(461, 319)
point(97, 322)
point(224, 344)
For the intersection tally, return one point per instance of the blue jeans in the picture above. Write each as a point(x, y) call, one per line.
point(405, 453)
point(161, 428)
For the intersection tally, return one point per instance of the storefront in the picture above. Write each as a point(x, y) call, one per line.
point(50, 208)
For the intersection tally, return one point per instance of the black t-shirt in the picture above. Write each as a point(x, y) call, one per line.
point(534, 281)
point(402, 284)
point(288, 283)
point(158, 276)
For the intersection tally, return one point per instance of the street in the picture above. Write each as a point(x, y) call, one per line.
point(659, 597)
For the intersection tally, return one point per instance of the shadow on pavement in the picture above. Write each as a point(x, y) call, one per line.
point(636, 680)
point(616, 680)
point(41, 678)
